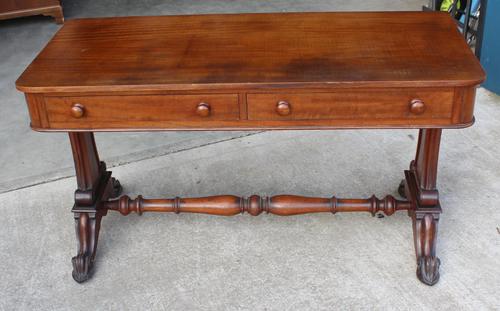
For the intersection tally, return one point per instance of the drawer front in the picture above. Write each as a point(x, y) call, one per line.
point(139, 111)
point(352, 105)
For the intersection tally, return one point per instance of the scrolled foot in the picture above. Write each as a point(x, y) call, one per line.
point(117, 188)
point(401, 189)
point(425, 226)
point(428, 269)
point(87, 232)
point(82, 267)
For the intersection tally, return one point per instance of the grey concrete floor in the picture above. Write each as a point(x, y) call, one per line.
point(197, 262)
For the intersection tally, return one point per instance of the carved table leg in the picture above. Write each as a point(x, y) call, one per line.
point(420, 188)
point(425, 227)
point(95, 186)
point(87, 227)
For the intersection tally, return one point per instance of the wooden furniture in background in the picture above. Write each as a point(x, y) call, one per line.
point(251, 72)
point(19, 8)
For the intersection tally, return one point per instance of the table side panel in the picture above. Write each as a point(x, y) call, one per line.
point(463, 108)
point(355, 108)
point(37, 111)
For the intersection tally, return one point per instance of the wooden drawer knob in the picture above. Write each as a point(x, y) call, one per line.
point(203, 110)
point(417, 106)
point(283, 108)
point(78, 110)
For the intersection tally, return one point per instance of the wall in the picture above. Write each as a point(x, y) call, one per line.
point(490, 49)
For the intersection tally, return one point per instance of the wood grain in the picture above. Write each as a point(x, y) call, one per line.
point(349, 104)
point(282, 205)
point(109, 111)
point(370, 49)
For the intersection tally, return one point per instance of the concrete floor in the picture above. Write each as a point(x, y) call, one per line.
point(197, 262)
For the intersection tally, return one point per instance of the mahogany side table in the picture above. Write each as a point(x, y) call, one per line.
point(254, 71)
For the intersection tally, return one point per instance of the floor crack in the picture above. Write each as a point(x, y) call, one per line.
point(117, 163)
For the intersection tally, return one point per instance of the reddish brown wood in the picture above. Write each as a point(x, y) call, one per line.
point(421, 191)
point(374, 104)
point(282, 205)
point(339, 109)
point(36, 108)
point(87, 165)
point(203, 109)
point(255, 71)
point(95, 185)
point(20, 8)
point(78, 110)
point(283, 108)
point(87, 226)
point(330, 80)
point(255, 50)
point(417, 106)
point(426, 164)
point(425, 226)
point(114, 111)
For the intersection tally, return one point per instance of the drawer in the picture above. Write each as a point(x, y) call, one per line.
point(139, 111)
point(353, 105)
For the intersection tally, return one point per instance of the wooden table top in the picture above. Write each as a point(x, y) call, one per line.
point(370, 49)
